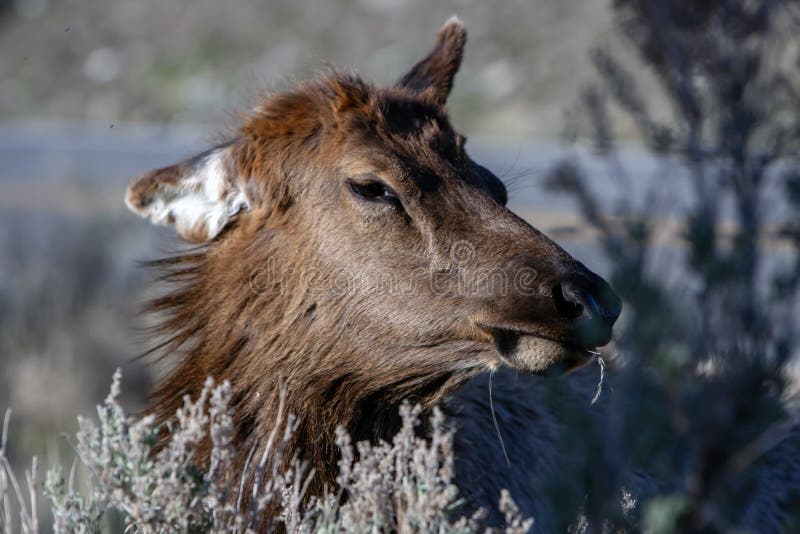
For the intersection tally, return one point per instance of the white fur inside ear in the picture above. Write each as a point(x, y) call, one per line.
point(202, 203)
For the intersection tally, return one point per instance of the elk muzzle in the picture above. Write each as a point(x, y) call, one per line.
point(557, 328)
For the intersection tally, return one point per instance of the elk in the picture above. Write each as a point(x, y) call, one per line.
point(351, 251)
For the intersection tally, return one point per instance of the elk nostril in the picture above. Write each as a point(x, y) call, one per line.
point(567, 304)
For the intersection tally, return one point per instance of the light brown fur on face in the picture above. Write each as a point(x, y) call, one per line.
point(355, 253)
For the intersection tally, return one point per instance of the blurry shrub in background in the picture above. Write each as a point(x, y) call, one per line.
point(68, 292)
point(707, 259)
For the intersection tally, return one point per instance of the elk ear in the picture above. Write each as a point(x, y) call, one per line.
point(197, 196)
point(433, 76)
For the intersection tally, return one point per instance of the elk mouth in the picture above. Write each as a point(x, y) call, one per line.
point(534, 353)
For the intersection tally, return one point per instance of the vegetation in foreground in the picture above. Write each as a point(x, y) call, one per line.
point(405, 486)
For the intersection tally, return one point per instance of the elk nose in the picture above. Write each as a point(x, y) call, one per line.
point(590, 306)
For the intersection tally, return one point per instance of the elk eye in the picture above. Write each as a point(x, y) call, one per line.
point(375, 191)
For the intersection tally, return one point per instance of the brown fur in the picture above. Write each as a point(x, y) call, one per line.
point(262, 304)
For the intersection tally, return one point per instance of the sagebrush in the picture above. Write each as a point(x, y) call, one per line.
point(404, 486)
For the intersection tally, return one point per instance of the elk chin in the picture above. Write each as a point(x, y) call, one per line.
point(539, 355)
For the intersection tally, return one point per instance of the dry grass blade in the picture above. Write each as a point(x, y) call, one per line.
point(601, 362)
point(4, 496)
point(28, 520)
point(32, 492)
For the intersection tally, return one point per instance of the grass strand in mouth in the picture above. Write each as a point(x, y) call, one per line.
point(494, 420)
point(601, 362)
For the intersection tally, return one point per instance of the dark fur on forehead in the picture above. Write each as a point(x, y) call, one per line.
point(347, 105)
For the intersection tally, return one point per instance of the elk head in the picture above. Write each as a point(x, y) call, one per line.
point(391, 252)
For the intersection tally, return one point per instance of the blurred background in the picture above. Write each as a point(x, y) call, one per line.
point(656, 140)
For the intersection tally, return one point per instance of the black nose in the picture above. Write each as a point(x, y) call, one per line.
point(591, 306)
